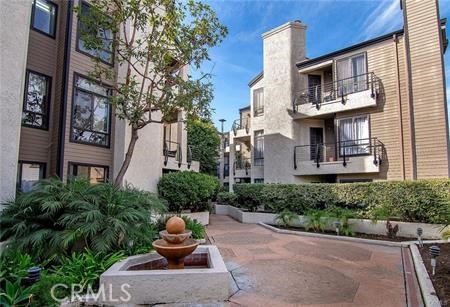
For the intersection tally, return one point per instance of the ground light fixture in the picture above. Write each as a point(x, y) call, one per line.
point(434, 253)
point(337, 225)
point(419, 236)
point(34, 274)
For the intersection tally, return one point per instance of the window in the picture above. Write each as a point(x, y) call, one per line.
point(259, 180)
point(28, 173)
point(43, 17)
point(258, 102)
point(91, 113)
point(259, 148)
point(352, 74)
point(95, 173)
point(105, 53)
point(36, 101)
point(354, 135)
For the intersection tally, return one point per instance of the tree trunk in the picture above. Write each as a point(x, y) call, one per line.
point(126, 162)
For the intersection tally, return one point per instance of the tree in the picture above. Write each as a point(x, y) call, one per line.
point(204, 139)
point(154, 42)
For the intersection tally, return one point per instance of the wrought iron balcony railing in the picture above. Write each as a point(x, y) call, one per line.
point(337, 90)
point(242, 123)
point(339, 151)
point(173, 150)
point(242, 164)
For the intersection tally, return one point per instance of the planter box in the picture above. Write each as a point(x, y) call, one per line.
point(406, 229)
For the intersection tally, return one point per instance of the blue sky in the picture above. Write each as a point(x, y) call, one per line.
point(332, 25)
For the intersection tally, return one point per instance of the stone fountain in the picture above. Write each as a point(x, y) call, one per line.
point(180, 271)
point(176, 243)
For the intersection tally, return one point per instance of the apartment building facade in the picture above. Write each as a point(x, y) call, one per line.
point(59, 121)
point(376, 110)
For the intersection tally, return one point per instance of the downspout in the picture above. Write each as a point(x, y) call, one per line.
point(63, 103)
point(410, 95)
point(399, 108)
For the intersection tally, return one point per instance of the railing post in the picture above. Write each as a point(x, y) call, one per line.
point(295, 157)
point(180, 155)
point(294, 110)
point(317, 155)
point(189, 157)
point(372, 85)
point(343, 156)
point(166, 153)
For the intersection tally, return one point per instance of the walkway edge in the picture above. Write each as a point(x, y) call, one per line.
point(426, 286)
point(338, 238)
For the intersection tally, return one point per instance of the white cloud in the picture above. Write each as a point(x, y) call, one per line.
point(384, 18)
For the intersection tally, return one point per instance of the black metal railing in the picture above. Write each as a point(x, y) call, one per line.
point(339, 151)
point(173, 150)
point(193, 154)
point(337, 90)
point(242, 164)
point(242, 123)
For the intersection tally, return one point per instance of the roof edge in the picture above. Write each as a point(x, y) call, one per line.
point(256, 78)
point(349, 49)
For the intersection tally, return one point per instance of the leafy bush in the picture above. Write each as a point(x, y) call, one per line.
point(227, 198)
point(249, 196)
point(14, 265)
point(58, 218)
point(198, 230)
point(188, 190)
point(85, 268)
point(316, 220)
point(15, 294)
point(285, 218)
point(425, 201)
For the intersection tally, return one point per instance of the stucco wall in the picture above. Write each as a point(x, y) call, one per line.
point(13, 57)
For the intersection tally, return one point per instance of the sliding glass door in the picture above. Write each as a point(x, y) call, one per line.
point(354, 135)
point(352, 74)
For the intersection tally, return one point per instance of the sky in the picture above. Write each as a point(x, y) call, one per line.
point(332, 25)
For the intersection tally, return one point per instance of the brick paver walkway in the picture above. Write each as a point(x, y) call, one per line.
point(273, 269)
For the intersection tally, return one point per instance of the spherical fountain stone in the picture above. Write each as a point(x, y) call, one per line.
point(176, 243)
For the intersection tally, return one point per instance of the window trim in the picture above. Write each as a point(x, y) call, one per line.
point(259, 159)
point(339, 134)
point(19, 173)
point(49, 98)
point(74, 88)
point(73, 163)
point(56, 19)
point(78, 37)
point(261, 109)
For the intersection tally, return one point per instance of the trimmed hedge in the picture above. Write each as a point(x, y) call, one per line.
point(188, 190)
point(425, 201)
point(227, 198)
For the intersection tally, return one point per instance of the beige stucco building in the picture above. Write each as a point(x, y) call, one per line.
point(373, 111)
point(55, 122)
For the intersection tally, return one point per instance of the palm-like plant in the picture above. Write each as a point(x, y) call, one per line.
point(57, 218)
point(286, 218)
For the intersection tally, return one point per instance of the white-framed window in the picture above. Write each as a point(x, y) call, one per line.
point(258, 156)
point(258, 101)
point(354, 135)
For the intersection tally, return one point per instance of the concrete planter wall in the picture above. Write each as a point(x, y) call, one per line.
point(408, 230)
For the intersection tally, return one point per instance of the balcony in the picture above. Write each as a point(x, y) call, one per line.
point(242, 168)
point(173, 157)
point(344, 157)
point(357, 92)
point(241, 127)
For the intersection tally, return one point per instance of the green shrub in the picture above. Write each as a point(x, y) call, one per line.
point(286, 217)
point(249, 196)
point(188, 190)
point(316, 220)
point(14, 265)
point(198, 230)
point(227, 198)
point(57, 218)
point(15, 294)
point(425, 201)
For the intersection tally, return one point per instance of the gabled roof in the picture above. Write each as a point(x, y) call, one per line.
point(256, 79)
